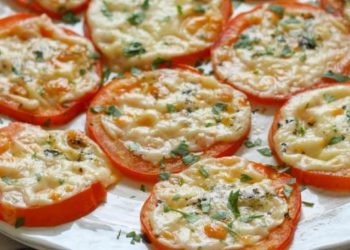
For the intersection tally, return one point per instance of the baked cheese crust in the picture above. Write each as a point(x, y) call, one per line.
point(288, 49)
point(136, 33)
point(195, 202)
point(40, 72)
point(164, 113)
point(41, 167)
point(313, 130)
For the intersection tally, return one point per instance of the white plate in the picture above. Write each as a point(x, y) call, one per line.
point(324, 226)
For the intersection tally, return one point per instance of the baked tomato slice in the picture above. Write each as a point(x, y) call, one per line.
point(51, 73)
point(161, 122)
point(48, 178)
point(310, 134)
point(216, 200)
point(166, 31)
point(55, 9)
point(281, 48)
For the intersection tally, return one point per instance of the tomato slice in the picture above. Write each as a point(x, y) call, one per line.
point(231, 35)
point(44, 215)
point(53, 115)
point(37, 7)
point(332, 180)
point(126, 161)
point(190, 59)
point(279, 238)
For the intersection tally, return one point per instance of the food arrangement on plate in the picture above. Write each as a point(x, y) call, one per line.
point(165, 120)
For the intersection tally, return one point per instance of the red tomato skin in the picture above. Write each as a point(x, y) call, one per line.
point(57, 213)
point(96, 133)
point(189, 59)
point(324, 180)
point(236, 26)
point(62, 117)
point(279, 238)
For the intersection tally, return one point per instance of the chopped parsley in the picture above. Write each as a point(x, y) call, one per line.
point(97, 109)
point(308, 42)
point(245, 178)
point(105, 75)
point(135, 71)
point(136, 18)
point(164, 176)
point(219, 107)
point(308, 204)
point(181, 149)
point(145, 5)
point(105, 10)
point(159, 61)
point(176, 197)
point(220, 215)
point(250, 218)
point(329, 98)
point(171, 108)
point(205, 206)
point(287, 190)
point(39, 55)
point(200, 8)
point(265, 152)
point(113, 111)
point(336, 139)
point(7, 180)
point(51, 153)
point(189, 217)
point(233, 203)
point(286, 52)
point(335, 76)
point(134, 49)
point(179, 10)
point(203, 172)
point(134, 237)
point(70, 18)
point(244, 42)
point(94, 55)
point(250, 144)
point(277, 9)
point(190, 159)
point(143, 188)
point(19, 222)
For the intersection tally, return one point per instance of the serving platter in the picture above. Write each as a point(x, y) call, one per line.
point(323, 225)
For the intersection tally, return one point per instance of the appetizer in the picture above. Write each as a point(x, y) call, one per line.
point(142, 32)
point(310, 133)
point(47, 73)
point(48, 178)
point(162, 121)
point(224, 203)
point(278, 49)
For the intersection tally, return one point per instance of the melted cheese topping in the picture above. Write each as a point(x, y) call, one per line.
point(38, 72)
point(170, 108)
point(189, 204)
point(314, 128)
point(60, 5)
point(41, 167)
point(132, 33)
point(280, 55)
